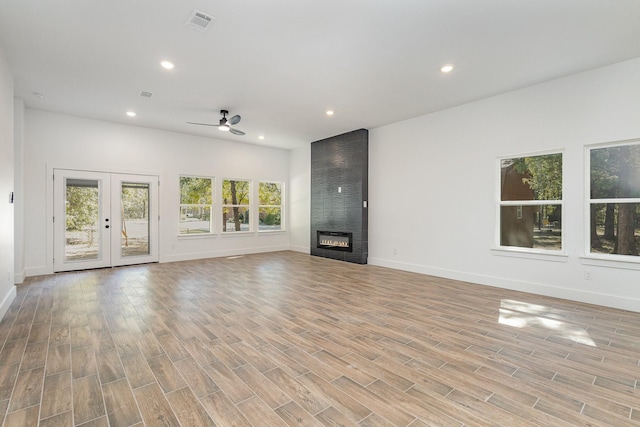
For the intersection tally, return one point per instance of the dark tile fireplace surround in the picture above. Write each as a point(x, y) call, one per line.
point(339, 194)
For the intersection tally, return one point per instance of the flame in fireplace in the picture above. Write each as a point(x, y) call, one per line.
point(340, 243)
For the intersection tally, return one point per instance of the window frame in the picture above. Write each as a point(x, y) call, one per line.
point(599, 258)
point(249, 206)
point(526, 252)
point(212, 216)
point(280, 206)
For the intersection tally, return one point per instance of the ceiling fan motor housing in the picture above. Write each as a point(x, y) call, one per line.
point(224, 124)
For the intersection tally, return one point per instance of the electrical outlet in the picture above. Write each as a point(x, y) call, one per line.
point(588, 275)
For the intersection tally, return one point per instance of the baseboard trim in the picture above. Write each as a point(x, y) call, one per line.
point(18, 278)
point(218, 254)
point(303, 249)
point(579, 295)
point(6, 302)
point(38, 271)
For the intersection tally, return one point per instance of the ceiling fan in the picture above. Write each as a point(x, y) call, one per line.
point(225, 124)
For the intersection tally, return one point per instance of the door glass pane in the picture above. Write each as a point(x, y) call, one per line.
point(82, 232)
point(135, 219)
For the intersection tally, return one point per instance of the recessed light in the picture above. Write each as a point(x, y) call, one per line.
point(261, 137)
point(167, 65)
point(131, 113)
point(329, 112)
point(447, 68)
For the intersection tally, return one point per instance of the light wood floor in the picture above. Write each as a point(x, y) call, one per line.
point(287, 339)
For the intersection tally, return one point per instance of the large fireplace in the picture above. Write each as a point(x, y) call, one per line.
point(335, 240)
point(339, 192)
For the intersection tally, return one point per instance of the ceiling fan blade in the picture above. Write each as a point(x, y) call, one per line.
point(201, 124)
point(236, 131)
point(235, 119)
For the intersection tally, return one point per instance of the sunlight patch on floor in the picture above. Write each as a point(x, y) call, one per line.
point(521, 314)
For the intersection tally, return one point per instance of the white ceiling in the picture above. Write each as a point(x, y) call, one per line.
point(282, 63)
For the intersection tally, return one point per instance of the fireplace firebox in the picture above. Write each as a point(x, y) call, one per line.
point(335, 240)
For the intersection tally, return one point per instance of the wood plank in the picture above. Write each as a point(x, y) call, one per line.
point(294, 416)
point(27, 390)
point(258, 413)
point(39, 332)
point(61, 420)
point(22, 417)
point(154, 406)
point(229, 382)
point(387, 410)
point(332, 417)
point(353, 409)
point(8, 374)
point(58, 359)
point(88, 402)
point(122, 409)
point(310, 399)
point(56, 395)
point(188, 409)
point(12, 351)
point(262, 386)
point(166, 373)
point(201, 384)
point(83, 362)
point(222, 410)
point(173, 347)
point(137, 370)
point(109, 366)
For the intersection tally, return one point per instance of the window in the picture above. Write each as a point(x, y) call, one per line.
point(614, 204)
point(236, 205)
point(269, 206)
point(196, 199)
point(531, 202)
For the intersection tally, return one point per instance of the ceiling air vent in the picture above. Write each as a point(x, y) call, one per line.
point(199, 20)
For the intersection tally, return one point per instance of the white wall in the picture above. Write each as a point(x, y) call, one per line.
point(62, 141)
point(300, 199)
point(7, 290)
point(433, 185)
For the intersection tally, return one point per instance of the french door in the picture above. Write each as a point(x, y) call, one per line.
point(103, 219)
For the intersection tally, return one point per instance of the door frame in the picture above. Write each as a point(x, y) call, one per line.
point(48, 211)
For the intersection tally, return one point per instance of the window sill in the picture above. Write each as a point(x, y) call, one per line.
point(612, 261)
point(196, 236)
point(237, 233)
point(531, 254)
point(272, 231)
